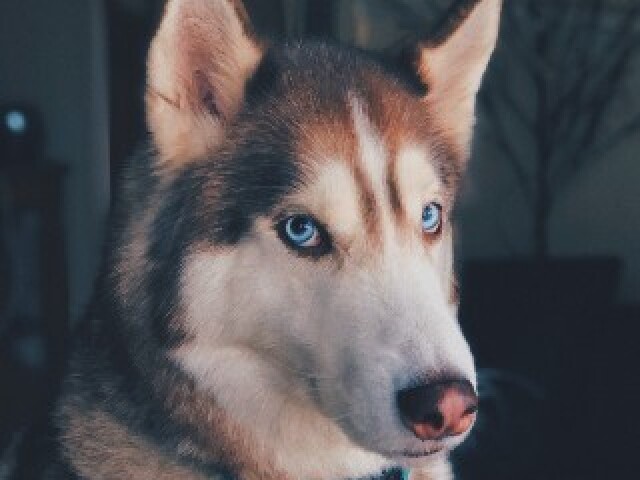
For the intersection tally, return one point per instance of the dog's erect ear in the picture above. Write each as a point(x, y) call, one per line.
point(451, 64)
point(200, 60)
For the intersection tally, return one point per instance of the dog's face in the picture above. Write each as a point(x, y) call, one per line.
point(314, 189)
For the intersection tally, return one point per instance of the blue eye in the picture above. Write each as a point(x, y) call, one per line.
point(301, 231)
point(432, 218)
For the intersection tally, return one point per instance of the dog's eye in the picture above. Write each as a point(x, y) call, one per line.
point(304, 234)
point(302, 231)
point(432, 218)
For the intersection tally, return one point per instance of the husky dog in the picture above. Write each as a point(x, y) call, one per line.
point(278, 299)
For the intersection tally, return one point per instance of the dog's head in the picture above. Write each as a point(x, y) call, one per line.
point(306, 222)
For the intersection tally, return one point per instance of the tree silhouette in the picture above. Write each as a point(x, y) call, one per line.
point(573, 63)
point(554, 95)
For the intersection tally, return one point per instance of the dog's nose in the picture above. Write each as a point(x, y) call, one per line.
point(438, 410)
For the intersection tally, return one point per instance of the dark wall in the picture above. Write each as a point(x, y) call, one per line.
point(52, 56)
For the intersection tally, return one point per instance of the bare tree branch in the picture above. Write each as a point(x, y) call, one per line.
point(578, 56)
point(575, 57)
point(520, 48)
point(501, 138)
point(614, 139)
point(500, 89)
point(600, 104)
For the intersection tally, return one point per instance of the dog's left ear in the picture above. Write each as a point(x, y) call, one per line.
point(451, 65)
point(200, 59)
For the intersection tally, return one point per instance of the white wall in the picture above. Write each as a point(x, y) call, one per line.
point(53, 56)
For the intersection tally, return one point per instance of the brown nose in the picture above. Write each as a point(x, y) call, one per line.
point(438, 410)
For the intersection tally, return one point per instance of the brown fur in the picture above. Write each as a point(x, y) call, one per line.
point(229, 152)
point(96, 435)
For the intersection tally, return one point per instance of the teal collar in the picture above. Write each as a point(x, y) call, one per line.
point(393, 474)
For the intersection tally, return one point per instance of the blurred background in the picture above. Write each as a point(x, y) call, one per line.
point(548, 241)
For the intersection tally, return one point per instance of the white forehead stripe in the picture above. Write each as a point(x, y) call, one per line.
point(334, 198)
point(373, 152)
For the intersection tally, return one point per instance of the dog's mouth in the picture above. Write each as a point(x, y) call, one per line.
point(416, 454)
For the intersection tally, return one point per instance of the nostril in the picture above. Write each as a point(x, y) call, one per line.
point(435, 419)
point(419, 403)
point(471, 409)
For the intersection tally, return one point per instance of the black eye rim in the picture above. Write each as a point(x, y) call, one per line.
point(315, 251)
point(438, 230)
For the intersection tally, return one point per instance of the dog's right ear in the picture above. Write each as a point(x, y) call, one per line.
point(199, 62)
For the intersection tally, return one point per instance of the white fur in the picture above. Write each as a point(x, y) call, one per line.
point(333, 197)
point(417, 179)
point(374, 155)
point(308, 355)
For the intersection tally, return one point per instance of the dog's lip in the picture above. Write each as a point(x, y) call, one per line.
point(416, 454)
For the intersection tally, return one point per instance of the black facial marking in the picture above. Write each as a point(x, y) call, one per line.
point(251, 188)
point(214, 203)
point(264, 80)
point(169, 239)
point(404, 67)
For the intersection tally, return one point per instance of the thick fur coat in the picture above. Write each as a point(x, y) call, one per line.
point(217, 344)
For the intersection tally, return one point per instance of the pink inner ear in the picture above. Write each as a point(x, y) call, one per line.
point(206, 95)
